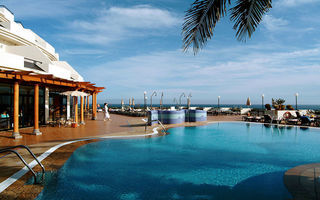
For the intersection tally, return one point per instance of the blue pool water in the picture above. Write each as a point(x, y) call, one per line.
point(227, 161)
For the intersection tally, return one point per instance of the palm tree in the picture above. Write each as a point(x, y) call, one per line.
point(200, 20)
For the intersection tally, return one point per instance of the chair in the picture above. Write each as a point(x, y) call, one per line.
point(305, 120)
point(298, 114)
point(293, 121)
point(267, 119)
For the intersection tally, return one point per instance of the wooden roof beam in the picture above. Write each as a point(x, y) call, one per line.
point(50, 76)
point(23, 72)
point(47, 79)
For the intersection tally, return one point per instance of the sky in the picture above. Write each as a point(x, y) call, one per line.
point(132, 46)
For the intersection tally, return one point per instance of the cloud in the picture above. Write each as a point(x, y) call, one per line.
point(293, 3)
point(24, 9)
point(83, 52)
point(273, 24)
point(119, 23)
point(251, 71)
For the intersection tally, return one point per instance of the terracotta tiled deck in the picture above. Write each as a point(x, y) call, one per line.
point(119, 124)
point(303, 181)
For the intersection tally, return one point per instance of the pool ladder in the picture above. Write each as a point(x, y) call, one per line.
point(159, 122)
point(11, 150)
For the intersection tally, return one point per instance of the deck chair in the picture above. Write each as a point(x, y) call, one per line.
point(267, 119)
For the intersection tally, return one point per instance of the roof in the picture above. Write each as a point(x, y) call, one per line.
point(3, 6)
point(49, 79)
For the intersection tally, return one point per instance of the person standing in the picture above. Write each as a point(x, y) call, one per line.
point(106, 112)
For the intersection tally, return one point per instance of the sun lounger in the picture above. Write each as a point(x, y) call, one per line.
point(257, 119)
point(293, 121)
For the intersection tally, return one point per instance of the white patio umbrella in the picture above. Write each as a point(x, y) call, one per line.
point(132, 102)
point(75, 93)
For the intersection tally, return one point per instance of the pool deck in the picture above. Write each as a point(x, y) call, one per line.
point(303, 181)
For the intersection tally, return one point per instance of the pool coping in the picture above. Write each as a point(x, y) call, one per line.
point(214, 122)
point(265, 124)
point(16, 176)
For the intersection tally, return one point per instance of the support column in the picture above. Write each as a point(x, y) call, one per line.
point(46, 105)
point(88, 102)
point(85, 104)
point(16, 134)
point(68, 107)
point(75, 102)
point(36, 130)
point(81, 111)
point(94, 106)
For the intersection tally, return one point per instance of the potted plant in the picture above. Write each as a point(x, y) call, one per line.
point(268, 106)
point(289, 107)
point(278, 104)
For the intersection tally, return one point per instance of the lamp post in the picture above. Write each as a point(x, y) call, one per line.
point(262, 96)
point(145, 100)
point(155, 94)
point(161, 99)
point(218, 101)
point(296, 95)
point(189, 100)
point(180, 98)
point(175, 101)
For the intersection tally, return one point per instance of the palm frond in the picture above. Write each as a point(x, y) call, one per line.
point(200, 21)
point(247, 15)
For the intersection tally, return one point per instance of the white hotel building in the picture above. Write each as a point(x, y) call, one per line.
point(32, 78)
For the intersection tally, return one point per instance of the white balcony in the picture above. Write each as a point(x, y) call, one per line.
point(11, 61)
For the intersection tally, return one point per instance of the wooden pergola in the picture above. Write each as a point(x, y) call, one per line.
point(47, 80)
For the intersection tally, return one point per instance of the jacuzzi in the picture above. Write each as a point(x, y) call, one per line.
point(176, 116)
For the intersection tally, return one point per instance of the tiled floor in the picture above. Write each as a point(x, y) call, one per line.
point(91, 128)
point(303, 182)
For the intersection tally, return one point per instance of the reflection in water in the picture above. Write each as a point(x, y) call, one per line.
point(304, 128)
point(267, 125)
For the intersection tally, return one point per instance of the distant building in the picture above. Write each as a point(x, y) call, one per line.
point(30, 71)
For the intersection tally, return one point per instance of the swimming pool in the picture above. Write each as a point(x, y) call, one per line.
point(216, 161)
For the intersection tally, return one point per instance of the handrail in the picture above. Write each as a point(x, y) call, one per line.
point(10, 149)
point(162, 126)
point(24, 162)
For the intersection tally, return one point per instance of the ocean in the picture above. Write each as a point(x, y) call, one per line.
point(300, 107)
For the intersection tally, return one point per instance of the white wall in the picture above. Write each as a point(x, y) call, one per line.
point(7, 14)
point(73, 73)
point(31, 52)
point(278, 114)
point(11, 60)
point(59, 71)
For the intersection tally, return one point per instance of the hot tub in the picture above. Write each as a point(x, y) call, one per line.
point(176, 116)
